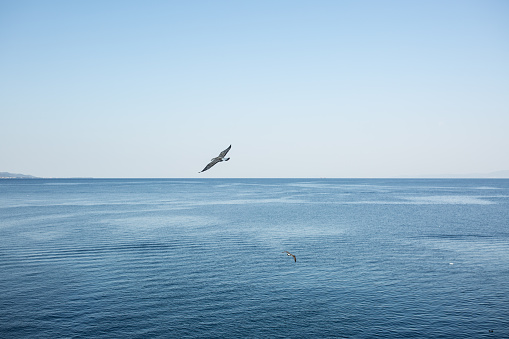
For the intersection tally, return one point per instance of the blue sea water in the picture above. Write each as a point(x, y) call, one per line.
point(189, 258)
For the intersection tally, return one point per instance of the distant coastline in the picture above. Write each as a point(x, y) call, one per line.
point(8, 175)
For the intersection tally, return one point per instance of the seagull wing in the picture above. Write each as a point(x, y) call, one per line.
point(288, 253)
point(223, 153)
point(212, 163)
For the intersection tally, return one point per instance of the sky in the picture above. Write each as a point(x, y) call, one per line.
point(300, 89)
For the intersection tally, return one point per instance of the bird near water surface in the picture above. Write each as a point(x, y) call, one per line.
point(217, 159)
point(289, 254)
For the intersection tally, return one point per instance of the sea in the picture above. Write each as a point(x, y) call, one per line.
point(204, 258)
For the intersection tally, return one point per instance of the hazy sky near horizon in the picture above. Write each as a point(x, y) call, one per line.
point(298, 88)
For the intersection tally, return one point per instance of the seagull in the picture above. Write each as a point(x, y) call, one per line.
point(217, 159)
point(289, 254)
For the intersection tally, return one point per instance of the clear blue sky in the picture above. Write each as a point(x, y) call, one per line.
point(299, 88)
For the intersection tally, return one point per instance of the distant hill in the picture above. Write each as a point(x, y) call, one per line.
point(7, 175)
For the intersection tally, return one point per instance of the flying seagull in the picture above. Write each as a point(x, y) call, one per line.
point(289, 254)
point(217, 159)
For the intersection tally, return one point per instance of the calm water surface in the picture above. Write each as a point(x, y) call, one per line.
point(175, 258)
